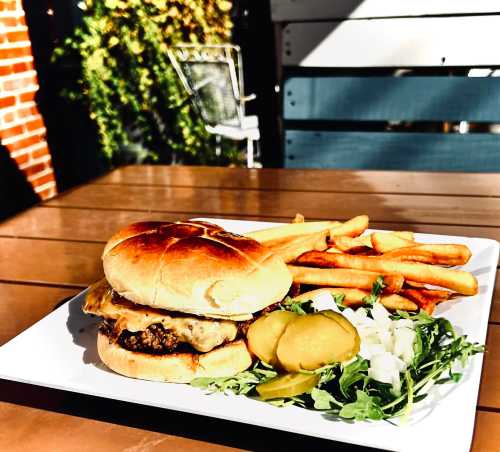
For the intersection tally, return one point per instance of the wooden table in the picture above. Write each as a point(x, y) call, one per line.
point(52, 251)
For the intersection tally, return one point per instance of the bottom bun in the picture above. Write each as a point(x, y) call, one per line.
point(224, 361)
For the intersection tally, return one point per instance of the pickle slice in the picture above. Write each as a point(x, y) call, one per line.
point(311, 341)
point(264, 334)
point(287, 385)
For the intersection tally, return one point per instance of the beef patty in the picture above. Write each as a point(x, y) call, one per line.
point(155, 339)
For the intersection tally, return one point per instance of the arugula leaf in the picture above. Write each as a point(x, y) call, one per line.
point(323, 400)
point(299, 307)
point(365, 407)
point(377, 288)
point(242, 383)
point(352, 373)
point(339, 300)
point(288, 401)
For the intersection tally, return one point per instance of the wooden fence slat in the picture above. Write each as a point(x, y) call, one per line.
point(406, 42)
point(454, 210)
point(422, 98)
point(393, 151)
point(301, 10)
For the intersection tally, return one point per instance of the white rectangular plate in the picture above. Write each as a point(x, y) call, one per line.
point(60, 352)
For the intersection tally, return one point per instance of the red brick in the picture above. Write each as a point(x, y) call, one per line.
point(47, 193)
point(8, 117)
point(10, 21)
point(35, 124)
point(36, 168)
point(28, 96)
point(6, 70)
point(23, 158)
point(22, 67)
point(7, 101)
point(11, 132)
point(26, 111)
point(20, 83)
point(42, 180)
point(24, 143)
point(15, 52)
point(17, 36)
point(37, 153)
point(11, 6)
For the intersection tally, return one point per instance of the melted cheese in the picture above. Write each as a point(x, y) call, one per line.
point(201, 334)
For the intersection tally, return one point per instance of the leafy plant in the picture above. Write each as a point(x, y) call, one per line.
point(128, 84)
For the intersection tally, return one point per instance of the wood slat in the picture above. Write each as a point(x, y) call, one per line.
point(330, 180)
point(392, 151)
point(21, 306)
point(373, 43)
point(50, 262)
point(302, 10)
point(489, 392)
point(495, 304)
point(386, 208)
point(59, 223)
point(486, 432)
point(27, 428)
point(423, 98)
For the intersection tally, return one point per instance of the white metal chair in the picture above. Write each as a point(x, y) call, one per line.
point(213, 77)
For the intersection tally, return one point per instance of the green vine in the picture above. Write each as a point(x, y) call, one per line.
point(128, 84)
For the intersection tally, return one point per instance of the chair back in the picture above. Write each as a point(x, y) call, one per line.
point(211, 74)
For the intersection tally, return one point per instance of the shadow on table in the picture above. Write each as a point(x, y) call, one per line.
point(180, 424)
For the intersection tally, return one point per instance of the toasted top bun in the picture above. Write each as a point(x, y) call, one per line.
point(194, 267)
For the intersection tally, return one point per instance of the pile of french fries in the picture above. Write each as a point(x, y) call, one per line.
point(336, 257)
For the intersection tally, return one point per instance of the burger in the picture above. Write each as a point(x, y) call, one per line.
point(177, 298)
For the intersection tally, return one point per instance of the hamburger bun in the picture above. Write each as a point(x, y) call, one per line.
point(224, 361)
point(194, 267)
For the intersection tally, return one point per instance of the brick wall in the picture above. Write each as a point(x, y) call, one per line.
point(22, 130)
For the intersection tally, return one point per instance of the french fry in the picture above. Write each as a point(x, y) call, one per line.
point(333, 249)
point(407, 235)
point(292, 248)
point(288, 231)
point(354, 298)
point(340, 277)
point(427, 299)
point(432, 254)
point(396, 302)
point(352, 228)
point(353, 245)
point(457, 280)
point(413, 284)
point(384, 242)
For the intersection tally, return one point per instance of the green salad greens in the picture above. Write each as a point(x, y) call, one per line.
point(348, 391)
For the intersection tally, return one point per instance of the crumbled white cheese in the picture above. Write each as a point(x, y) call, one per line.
point(324, 301)
point(387, 344)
